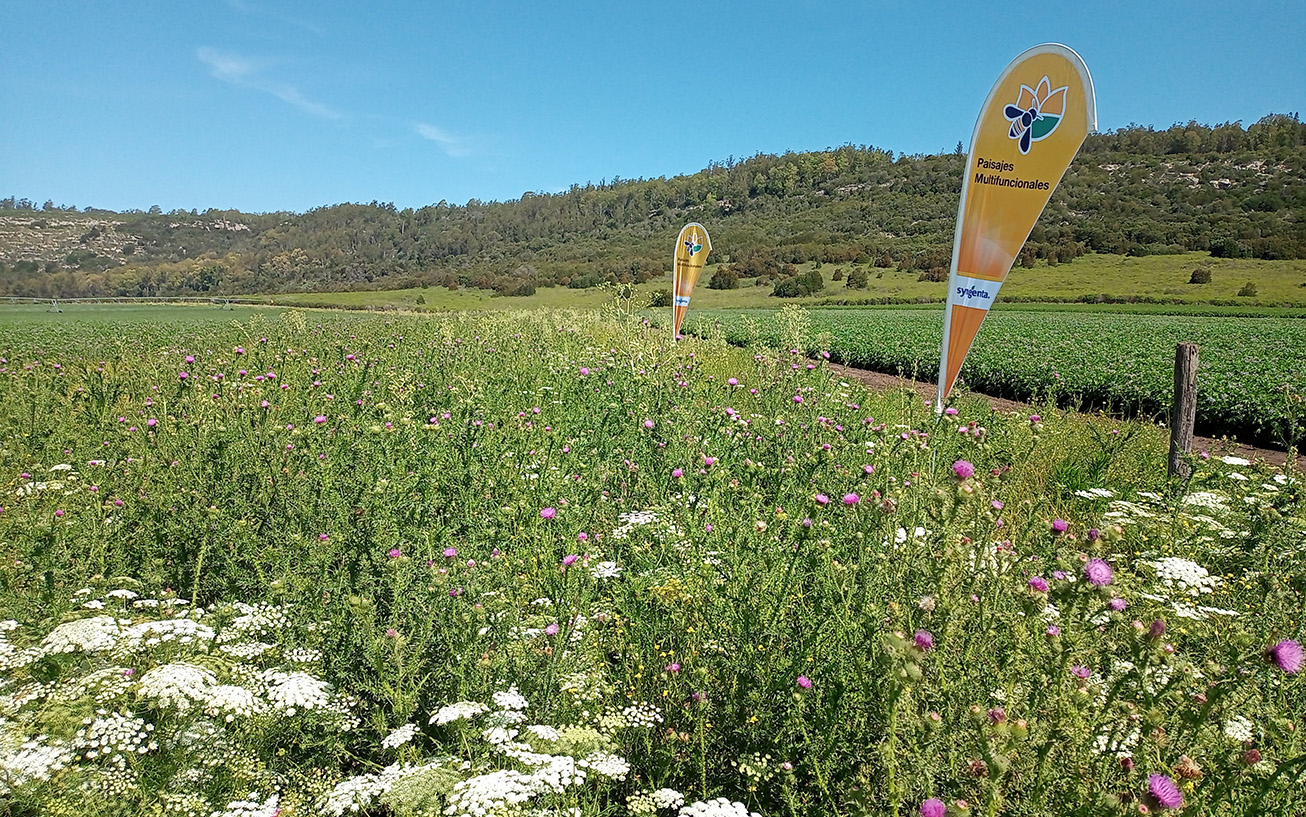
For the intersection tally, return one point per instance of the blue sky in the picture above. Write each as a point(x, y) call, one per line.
point(264, 106)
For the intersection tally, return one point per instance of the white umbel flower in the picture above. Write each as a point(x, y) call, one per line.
point(720, 807)
point(178, 685)
point(458, 711)
point(399, 737)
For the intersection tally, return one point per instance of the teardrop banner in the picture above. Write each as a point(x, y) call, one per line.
point(692, 247)
point(1031, 126)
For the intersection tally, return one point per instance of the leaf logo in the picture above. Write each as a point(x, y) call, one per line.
point(1036, 113)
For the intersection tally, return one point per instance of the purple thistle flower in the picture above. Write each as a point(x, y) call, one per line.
point(1053, 631)
point(1098, 573)
point(851, 499)
point(1118, 604)
point(1164, 793)
point(552, 629)
point(924, 640)
point(677, 473)
point(1080, 672)
point(449, 553)
point(548, 513)
point(395, 553)
point(1038, 584)
point(569, 560)
point(1059, 526)
point(963, 469)
point(933, 807)
point(804, 682)
point(1287, 655)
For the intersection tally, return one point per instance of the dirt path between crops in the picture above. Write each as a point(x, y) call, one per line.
point(928, 391)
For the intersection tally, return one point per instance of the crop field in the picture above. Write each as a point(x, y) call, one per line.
point(547, 563)
point(1250, 382)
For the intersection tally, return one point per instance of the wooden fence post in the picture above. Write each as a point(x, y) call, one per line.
point(1183, 412)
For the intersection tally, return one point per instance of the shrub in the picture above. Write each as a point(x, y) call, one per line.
point(857, 279)
point(724, 278)
point(1200, 276)
point(660, 298)
point(1248, 290)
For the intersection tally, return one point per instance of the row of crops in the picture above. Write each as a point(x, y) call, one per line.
point(1251, 378)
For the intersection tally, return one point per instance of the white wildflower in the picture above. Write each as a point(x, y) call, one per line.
point(720, 807)
point(1239, 729)
point(293, 691)
point(399, 737)
point(512, 699)
point(251, 806)
point(458, 711)
point(176, 686)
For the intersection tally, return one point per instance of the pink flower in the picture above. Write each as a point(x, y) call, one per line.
point(552, 629)
point(933, 807)
point(1098, 573)
point(1118, 604)
point(582, 536)
point(320, 419)
point(851, 499)
point(963, 469)
point(648, 424)
point(584, 371)
point(548, 513)
point(822, 499)
point(673, 668)
point(1163, 792)
point(449, 553)
point(677, 473)
point(395, 553)
point(732, 382)
point(1038, 584)
point(391, 633)
point(1059, 526)
point(1287, 655)
point(924, 640)
point(798, 398)
point(804, 682)
point(151, 422)
point(569, 560)
point(322, 537)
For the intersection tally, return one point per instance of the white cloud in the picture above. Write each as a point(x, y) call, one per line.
point(450, 144)
point(248, 72)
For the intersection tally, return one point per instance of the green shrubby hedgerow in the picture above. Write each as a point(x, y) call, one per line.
point(547, 563)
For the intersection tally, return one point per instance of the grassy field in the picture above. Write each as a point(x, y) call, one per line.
point(478, 564)
point(1086, 358)
point(1278, 283)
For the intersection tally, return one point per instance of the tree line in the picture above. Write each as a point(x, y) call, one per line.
point(1231, 190)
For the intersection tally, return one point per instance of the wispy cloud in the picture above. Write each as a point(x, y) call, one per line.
point(248, 72)
point(452, 145)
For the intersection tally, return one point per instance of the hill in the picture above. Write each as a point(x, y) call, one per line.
point(1232, 191)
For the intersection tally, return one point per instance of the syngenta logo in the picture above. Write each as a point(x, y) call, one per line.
point(1036, 114)
point(972, 292)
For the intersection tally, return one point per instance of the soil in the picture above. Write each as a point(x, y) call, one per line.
point(928, 391)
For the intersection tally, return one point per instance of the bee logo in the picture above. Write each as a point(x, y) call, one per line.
point(693, 244)
point(1036, 114)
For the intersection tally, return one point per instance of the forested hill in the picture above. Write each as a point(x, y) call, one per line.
point(1237, 192)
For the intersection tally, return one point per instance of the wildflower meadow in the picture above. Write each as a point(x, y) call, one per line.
point(550, 563)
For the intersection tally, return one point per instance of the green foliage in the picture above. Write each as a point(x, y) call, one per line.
point(1237, 192)
point(1200, 276)
point(519, 547)
point(724, 278)
point(1119, 362)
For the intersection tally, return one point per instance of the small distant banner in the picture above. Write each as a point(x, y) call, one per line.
point(1029, 129)
point(692, 247)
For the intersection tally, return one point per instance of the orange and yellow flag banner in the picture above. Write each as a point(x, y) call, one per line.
point(1029, 129)
point(692, 247)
